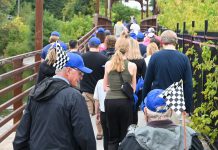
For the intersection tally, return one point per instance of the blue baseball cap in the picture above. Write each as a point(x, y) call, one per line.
point(155, 103)
point(55, 33)
point(94, 41)
point(140, 35)
point(133, 35)
point(100, 30)
point(76, 61)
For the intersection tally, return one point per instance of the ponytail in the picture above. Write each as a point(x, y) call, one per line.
point(121, 47)
point(51, 56)
point(118, 61)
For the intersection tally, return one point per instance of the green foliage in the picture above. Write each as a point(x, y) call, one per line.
point(179, 11)
point(121, 12)
point(6, 6)
point(14, 37)
point(55, 7)
point(75, 28)
point(72, 29)
point(205, 117)
point(85, 7)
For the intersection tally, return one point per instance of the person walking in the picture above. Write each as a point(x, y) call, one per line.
point(73, 47)
point(55, 37)
point(160, 132)
point(99, 96)
point(96, 61)
point(151, 49)
point(134, 55)
point(118, 107)
point(168, 66)
point(56, 115)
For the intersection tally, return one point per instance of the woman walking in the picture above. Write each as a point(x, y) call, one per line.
point(118, 107)
point(134, 55)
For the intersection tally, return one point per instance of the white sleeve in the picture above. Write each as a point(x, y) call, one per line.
point(96, 93)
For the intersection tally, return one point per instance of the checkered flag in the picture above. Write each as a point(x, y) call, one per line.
point(62, 57)
point(174, 96)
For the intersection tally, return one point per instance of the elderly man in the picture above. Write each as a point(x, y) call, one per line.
point(160, 133)
point(168, 66)
point(56, 115)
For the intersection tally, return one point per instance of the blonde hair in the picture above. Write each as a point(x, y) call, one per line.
point(152, 48)
point(51, 56)
point(53, 39)
point(121, 47)
point(134, 51)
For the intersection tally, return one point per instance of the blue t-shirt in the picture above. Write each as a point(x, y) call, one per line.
point(47, 47)
point(166, 67)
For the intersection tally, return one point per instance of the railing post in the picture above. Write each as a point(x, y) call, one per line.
point(17, 77)
point(205, 29)
point(38, 29)
point(183, 41)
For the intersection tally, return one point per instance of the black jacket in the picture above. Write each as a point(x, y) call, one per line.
point(56, 117)
point(45, 70)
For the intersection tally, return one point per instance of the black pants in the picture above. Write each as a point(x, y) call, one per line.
point(105, 130)
point(119, 115)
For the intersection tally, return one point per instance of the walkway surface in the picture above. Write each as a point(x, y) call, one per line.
point(7, 143)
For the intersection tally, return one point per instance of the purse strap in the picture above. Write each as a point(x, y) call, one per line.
point(121, 77)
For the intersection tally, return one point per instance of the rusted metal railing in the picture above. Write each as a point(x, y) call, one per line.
point(17, 87)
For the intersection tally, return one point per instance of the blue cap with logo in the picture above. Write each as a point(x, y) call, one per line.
point(140, 35)
point(76, 61)
point(94, 41)
point(55, 33)
point(155, 103)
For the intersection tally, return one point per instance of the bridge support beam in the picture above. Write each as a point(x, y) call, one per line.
point(38, 29)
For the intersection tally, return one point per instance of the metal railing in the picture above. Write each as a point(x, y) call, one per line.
point(17, 87)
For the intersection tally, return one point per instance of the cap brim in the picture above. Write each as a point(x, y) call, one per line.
point(85, 70)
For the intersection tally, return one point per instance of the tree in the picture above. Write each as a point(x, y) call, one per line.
point(6, 6)
point(179, 11)
point(84, 7)
point(121, 12)
point(55, 7)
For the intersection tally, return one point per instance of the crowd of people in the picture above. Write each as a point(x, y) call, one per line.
point(73, 86)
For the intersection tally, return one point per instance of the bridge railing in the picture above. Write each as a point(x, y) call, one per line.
point(19, 84)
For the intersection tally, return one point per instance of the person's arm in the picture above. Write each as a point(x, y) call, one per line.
point(149, 77)
point(81, 123)
point(188, 87)
point(97, 105)
point(133, 71)
point(21, 140)
point(143, 68)
point(106, 72)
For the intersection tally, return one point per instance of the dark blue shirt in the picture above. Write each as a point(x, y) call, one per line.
point(143, 49)
point(47, 47)
point(166, 67)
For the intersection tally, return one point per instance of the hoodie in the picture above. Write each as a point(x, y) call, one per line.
point(56, 117)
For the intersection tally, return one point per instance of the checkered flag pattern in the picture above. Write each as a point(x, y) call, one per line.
point(62, 57)
point(174, 96)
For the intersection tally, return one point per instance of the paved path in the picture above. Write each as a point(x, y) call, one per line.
point(7, 143)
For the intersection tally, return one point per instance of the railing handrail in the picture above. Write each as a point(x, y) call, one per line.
point(20, 56)
point(18, 69)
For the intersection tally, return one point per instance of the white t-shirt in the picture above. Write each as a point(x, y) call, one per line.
point(135, 27)
point(100, 94)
